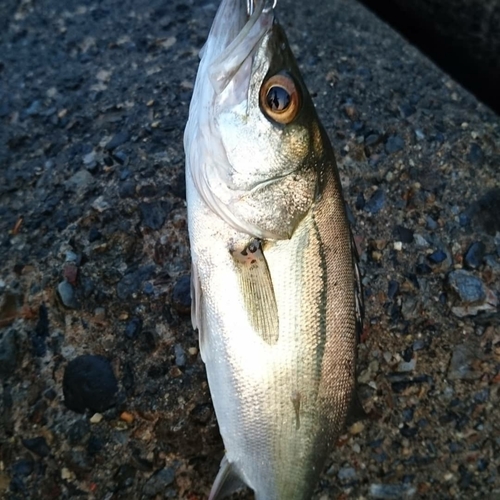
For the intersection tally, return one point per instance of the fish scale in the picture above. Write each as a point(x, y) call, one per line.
point(276, 293)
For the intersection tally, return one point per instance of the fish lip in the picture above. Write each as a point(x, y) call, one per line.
point(233, 52)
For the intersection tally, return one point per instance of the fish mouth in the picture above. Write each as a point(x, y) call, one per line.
point(238, 27)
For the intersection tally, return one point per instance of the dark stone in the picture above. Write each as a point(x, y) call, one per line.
point(403, 234)
point(408, 432)
point(157, 483)
point(133, 328)
point(50, 394)
point(117, 140)
point(128, 378)
point(474, 255)
point(95, 445)
point(407, 110)
point(79, 462)
point(372, 139)
point(153, 214)
point(408, 414)
point(475, 155)
point(401, 382)
point(201, 414)
point(376, 202)
point(394, 144)
point(422, 268)
point(437, 257)
point(94, 234)
point(89, 382)
point(181, 295)
point(38, 446)
point(41, 333)
point(482, 464)
point(486, 211)
point(125, 476)
point(360, 201)
point(23, 467)
point(392, 289)
point(8, 353)
point(132, 282)
point(127, 189)
point(482, 396)
point(148, 190)
point(120, 157)
point(468, 287)
point(431, 223)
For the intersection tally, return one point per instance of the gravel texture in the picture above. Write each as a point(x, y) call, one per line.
point(94, 255)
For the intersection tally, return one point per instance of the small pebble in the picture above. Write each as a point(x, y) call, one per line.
point(467, 286)
point(437, 257)
point(347, 474)
point(96, 418)
point(38, 446)
point(461, 364)
point(133, 328)
point(474, 255)
point(420, 241)
point(394, 144)
point(475, 155)
point(157, 483)
point(376, 202)
point(94, 234)
point(392, 491)
point(8, 353)
point(153, 214)
point(127, 417)
point(403, 234)
point(117, 140)
point(180, 355)
point(357, 428)
point(66, 293)
point(132, 282)
point(181, 295)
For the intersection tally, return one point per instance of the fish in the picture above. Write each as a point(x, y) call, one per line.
point(275, 283)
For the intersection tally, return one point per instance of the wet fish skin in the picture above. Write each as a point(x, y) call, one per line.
point(276, 292)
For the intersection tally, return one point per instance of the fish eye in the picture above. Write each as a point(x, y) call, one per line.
point(279, 98)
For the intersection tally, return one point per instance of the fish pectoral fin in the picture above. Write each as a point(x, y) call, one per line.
point(196, 315)
point(257, 289)
point(226, 482)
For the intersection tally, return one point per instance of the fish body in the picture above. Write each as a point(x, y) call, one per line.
point(275, 288)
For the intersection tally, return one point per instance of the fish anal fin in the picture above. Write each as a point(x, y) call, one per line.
point(226, 482)
point(257, 289)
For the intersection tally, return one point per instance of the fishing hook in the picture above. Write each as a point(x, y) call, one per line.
point(251, 6)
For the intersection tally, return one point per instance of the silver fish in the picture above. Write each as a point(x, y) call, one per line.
point(275, 286)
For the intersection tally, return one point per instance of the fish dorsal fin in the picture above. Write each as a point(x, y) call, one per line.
point(356, 410)
point(257, 289)
point(358, 288)
point(226, 482)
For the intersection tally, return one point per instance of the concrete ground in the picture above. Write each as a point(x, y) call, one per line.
point(94, 255)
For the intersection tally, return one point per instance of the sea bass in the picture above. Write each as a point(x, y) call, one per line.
point(275, 288)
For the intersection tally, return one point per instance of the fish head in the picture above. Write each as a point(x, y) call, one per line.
point(259, 143)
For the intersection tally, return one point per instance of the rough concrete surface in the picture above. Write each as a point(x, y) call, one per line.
point(94, 257)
